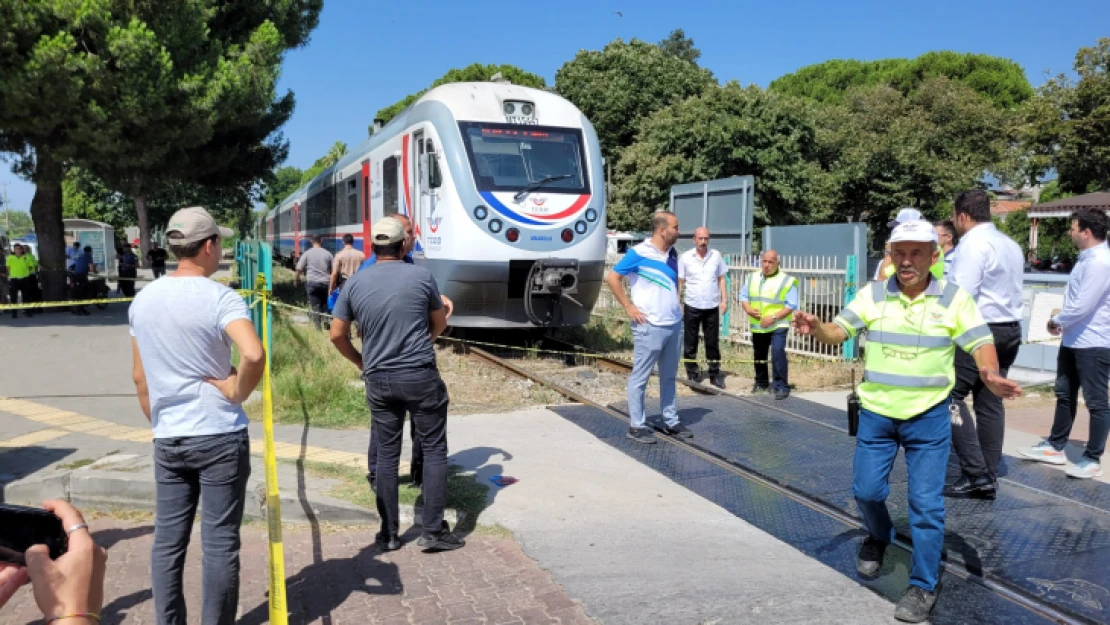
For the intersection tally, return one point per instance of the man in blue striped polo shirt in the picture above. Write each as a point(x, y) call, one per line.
point(652, 270)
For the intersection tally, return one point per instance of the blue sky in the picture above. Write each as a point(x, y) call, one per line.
point(366, 55)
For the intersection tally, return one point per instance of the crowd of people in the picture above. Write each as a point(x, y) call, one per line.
point(953, 284)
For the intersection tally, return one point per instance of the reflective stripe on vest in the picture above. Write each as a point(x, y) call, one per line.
point(769, 298)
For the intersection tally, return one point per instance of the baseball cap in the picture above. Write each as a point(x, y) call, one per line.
point(917, 230)
point(194, 224)
point(904, 215)
point(388, 230)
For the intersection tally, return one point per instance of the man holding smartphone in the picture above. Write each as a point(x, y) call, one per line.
point(183, 327)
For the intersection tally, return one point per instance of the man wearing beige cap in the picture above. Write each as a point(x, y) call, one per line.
point(400, 314)
point(182, 329)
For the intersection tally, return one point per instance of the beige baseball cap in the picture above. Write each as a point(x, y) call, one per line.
point(388, 230)
point(193, 224)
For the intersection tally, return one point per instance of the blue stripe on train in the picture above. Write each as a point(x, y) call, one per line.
point(332, 244)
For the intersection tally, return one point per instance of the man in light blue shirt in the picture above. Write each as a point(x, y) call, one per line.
point(1084, 359)
point(652, 271)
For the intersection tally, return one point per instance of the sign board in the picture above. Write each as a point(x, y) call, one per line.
point(1045, 306)
point(724, 206)
point(836, 240)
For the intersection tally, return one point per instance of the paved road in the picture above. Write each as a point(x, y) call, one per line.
point(339, 578)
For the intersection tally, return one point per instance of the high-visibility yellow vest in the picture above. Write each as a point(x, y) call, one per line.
point(768, 296)
point(17, 267)
point(937, 269)
point(32, 262)
point(908, 363)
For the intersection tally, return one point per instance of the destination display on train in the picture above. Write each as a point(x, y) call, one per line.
point(513, 133)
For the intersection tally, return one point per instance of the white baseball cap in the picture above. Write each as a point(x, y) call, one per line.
point(918, 230)
point(904, 215)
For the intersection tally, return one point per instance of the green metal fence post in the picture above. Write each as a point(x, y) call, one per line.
point(850, 271)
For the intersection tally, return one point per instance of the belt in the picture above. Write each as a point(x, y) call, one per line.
point(1005, 324)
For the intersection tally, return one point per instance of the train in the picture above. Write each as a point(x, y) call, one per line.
point(505, 188)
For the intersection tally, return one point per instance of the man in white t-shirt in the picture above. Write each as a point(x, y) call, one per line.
point(652, 271)
point(182, 329)
point(702, 272)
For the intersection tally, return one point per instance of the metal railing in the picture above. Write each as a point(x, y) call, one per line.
point(823, 282)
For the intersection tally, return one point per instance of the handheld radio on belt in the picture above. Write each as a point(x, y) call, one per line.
point(853, 408)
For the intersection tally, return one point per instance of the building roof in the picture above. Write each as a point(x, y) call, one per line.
point(1065, 207)
point(1005, 207)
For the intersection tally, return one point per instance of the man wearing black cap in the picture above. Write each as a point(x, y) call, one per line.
point(400, 314)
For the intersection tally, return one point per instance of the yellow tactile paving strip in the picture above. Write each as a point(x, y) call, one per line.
point(63, 422)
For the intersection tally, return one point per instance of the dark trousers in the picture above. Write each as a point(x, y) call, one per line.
point(18, 287)
point(212, 471)
point(775, 343)
point(417, 467)
point(1087, 368)
point(31, 283)
point(158, 271)
point(978, 441)
point(708, 321)
point(318, 300)
point(80, 290)
point(127, 287)
point(422, 394)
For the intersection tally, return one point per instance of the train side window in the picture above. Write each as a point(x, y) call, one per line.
point(390, 196)
point(352, 202)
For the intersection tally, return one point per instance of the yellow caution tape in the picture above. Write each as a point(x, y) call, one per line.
point(65, 304)
point(278, 611)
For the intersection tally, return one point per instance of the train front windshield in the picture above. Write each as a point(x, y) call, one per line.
point(509, 157)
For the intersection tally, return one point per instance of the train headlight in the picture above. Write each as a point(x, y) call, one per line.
point(591, 215)
point(510, 108)
point(512, 234)
point(567, 235)
point(480, 213)
point(495, 225)
point(580, 227)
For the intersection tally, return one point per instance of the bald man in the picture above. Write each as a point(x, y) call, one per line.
point(770, 298)
point(701, 278)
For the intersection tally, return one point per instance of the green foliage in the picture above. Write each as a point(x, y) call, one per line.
point(884, 150)
point(1002, 81)
point(475, 72)
point(618, 87)
point(726, 131)
point(16, 223)
point(284, 181)
point(337, 151)
point(677, 44)
point(1052, 236)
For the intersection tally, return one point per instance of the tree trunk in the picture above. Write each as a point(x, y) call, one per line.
point(144, 229)
point(46, 210)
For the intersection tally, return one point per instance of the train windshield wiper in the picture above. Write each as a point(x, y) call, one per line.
point(539, 183)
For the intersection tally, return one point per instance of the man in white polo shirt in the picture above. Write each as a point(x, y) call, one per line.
point(652, 271)
point(701, 271)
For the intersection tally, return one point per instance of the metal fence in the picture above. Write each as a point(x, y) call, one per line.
point(823, 283)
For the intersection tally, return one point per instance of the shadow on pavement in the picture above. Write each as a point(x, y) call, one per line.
point(478, 460)
point(18, 463)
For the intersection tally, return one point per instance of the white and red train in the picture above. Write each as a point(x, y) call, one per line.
point(506, 191)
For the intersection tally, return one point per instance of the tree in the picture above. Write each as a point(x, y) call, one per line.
point(677, 44)
point(337, 151)
point(16, 223)
point(285, 181)
point(884, 150)
point(726, 131)
point(624, 83)
point(475, 72)
point(1000, 80)
point(141, 94)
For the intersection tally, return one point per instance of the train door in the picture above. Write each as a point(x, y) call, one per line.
point(419, 212)
point(296, 229)
point(367, 215)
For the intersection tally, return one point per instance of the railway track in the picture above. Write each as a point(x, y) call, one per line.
point(1010, 592)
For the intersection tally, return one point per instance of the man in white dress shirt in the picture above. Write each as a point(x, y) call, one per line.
point(702, 271)
point(988, 265)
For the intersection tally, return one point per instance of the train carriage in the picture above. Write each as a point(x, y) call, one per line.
point(505, 188)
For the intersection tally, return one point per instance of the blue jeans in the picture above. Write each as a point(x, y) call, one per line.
point(775, 342)
point(654, 344)
point(213, 471)
point(926, 439)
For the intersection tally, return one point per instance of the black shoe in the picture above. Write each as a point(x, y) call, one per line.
point(444, 541)
point(679, 430)
point(15, 314)
point(718, 381)
point(870, 558)
point(757, 389)
point(915, 605)
point(694, 376)
point(387, 543)
point(641, 435)
point(782, 393)
point(980, 487)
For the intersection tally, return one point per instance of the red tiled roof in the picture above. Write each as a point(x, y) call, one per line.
point(1003, 207)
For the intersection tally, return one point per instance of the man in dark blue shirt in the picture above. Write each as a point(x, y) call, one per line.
point(82, 265)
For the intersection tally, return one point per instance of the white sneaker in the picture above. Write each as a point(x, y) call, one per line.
point(1044, 452)
point(1085, 469)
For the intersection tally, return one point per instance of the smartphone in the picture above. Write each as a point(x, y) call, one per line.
point(22, 527)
